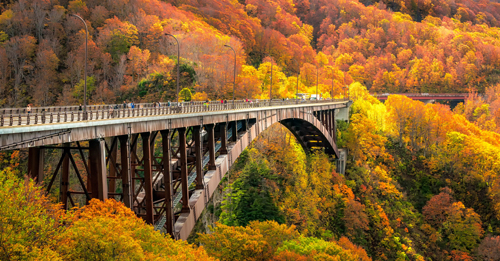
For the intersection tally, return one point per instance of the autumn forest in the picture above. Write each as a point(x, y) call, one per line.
point(422, 180)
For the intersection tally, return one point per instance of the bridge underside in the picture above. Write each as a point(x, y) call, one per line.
point(167, 170)
point(309, 137)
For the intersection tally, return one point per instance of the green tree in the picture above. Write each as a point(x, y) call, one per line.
point(185, 94)
point(250, 198)
point(79, 87)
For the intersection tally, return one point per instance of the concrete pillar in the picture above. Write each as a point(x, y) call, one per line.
point(223, 137)
point(167, 181)
point(184, 170)
point(97, 165)
point(125, 171)
point(211, 146)
point(35, 164)
point(199, 157)
point(148, 177)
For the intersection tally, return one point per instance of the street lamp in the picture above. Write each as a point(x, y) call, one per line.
point(271, 86)
point(298, 75)
point(317, 82)
point(333, 72)
point(234, 79)
point(85, 70)
point(178, 68)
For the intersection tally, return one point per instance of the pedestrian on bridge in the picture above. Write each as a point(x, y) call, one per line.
point(28, 109)
point(124, 104)
point(80, 107)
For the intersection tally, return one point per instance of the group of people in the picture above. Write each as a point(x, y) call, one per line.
point(132, 105)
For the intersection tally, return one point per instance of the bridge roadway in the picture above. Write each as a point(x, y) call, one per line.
point(426, 96)
point(115, 155)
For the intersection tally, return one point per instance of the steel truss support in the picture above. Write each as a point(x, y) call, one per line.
point(223, 137)
point(125, 171)
point(98, 179)
point(334, 126)
point(328, 122)
point(199, 157)
point(184, 170)
point(167, 182)
point(35, 164)
point(234, 129)
point(211, 146)
point(148, 177)
point(65, 177)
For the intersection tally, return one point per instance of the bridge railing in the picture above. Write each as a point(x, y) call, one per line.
point(49, 115)
point(424, 94)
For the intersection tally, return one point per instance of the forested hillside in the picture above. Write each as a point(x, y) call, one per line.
point(422, 183)
point(130, 57)
point(422, 180)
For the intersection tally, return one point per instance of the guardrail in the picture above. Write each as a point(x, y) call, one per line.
point(423, 94)
point(49, 115)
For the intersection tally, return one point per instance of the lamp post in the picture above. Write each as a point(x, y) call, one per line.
point(333, 72)
point(271, 86)
point(178, 68)
point(317, 82)
point(298, 75)
point(85, 70)
point(234, 79)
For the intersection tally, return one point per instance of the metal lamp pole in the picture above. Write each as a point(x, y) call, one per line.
point(234, 79)
point(271, 86)
point(317, 82)
point(85, 70)
point(332, 83)
point(178, 68)
point(298, 75)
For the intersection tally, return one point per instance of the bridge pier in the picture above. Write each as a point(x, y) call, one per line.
point(167, 181)
point(35, 164)
point(199, 158)
point(148, 177)
point(125, 172)
point(234, 129)
point(223, 137)
point(211, 146)
point(97, 160)
point(184, 170)
point(63, 194)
